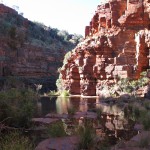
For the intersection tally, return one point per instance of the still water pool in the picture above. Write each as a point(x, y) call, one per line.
point(61, 105)
point(111, 122)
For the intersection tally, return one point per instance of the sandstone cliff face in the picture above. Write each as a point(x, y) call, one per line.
point(117, 44)
point(24, 52)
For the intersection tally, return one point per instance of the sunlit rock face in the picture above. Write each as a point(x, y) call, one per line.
point(117, 44)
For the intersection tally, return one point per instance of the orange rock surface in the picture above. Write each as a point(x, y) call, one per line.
point(116, 44)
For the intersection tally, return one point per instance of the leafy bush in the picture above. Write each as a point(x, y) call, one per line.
point(86, 138)
point(144, 142)
point(13, 82)
point(14, 141)
point(132, 112)
point(138, 113)
point(56, 130)
point(104, 145)
point(143, 80)
point(64, 93)
point(99, 113)
point(124, 86)
point(53, 93)
point(146, 122)
point(59, 84)
point(146, 105)
point(18, 106)
point(71, 111)
point(67, 56)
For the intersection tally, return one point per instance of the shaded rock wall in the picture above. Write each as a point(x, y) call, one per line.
point(35, 65)
point(117, 44)
point(21, 54)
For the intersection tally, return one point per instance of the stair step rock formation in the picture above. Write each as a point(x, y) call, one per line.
point(116, 45)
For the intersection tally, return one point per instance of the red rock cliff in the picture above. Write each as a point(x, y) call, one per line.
point(117, 44)
point(28, 50)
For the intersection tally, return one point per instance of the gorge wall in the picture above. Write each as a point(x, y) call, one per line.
point(117, 44)
point(28, 50)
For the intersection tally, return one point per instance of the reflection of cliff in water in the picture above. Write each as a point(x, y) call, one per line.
point(111, 121)
point(79, 104)
point(86, 104)
point(46, 105)
point(61, 105)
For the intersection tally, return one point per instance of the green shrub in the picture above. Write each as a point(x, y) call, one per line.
point(86, 137)
point(12, 32)
point(147, 105)
point(136, 113)
point(64, 93)
point(14, 141)
point(71, 111)
point(125, 86)
point(103, 145)
point(146, 123)
point(59, 83)
point(13, 82)
point(143, 80)
point(52, 93)
point(143, 117)
point(18, 106)
point(99, 112)
point(144, 142)
point(67, 56)
point(56, 130)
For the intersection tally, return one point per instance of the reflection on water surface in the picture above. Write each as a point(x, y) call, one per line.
point(61, 105)
point(110, 122)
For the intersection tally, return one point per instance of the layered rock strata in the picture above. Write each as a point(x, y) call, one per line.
point(22, 54)
point(117, 44)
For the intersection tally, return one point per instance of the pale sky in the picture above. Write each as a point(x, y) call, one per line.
point(69, 15)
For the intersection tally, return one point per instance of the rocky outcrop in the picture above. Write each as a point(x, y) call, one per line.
point(116, 45)
point(31, 51)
